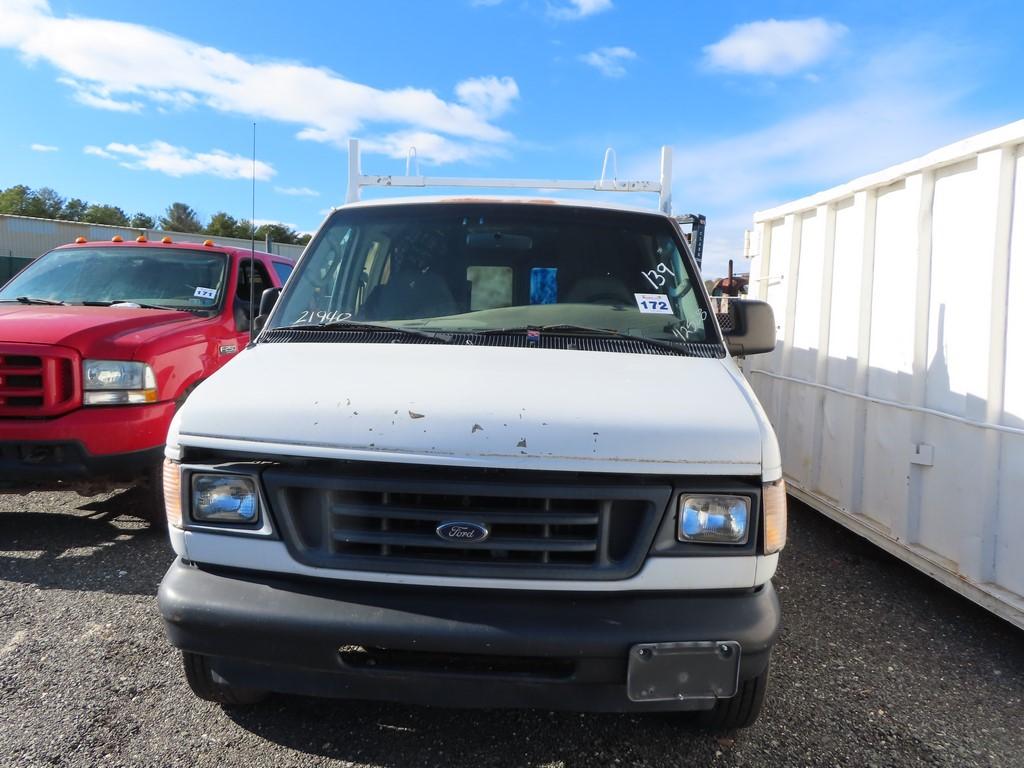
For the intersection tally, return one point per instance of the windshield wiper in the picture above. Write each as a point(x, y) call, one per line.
point(585, 330)
point(445, 338)
point(123, 301)
point(33, 300)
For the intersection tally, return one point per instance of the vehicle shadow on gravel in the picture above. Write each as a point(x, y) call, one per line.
point(396, 736)
point(100, 546)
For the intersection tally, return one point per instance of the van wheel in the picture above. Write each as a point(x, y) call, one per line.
point(742, 709)
point(203, 684)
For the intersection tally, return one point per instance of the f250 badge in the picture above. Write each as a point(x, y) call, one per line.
point(470, 533)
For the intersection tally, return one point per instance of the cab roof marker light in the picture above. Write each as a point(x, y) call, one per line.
point(79, 240)
point(166, 240)
point(117, 239)
point(140, 239)
point(208, 243)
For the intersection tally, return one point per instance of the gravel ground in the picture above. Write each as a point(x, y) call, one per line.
point(876, 665)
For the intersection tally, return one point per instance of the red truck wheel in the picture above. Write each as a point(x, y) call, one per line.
point(149, 502)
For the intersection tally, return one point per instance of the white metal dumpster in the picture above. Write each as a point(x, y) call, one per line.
point(897, 387)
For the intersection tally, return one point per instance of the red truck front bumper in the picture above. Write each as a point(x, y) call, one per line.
point(90, 446)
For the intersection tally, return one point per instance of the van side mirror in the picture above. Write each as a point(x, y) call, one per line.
point(753, 328)
point(267, 301)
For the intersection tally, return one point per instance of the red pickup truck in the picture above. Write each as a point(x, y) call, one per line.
point(100, 342)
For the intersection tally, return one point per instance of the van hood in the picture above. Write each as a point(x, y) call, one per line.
point(83, 328)
point(481, 406)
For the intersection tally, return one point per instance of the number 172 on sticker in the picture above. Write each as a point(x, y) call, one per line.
point(655, 303)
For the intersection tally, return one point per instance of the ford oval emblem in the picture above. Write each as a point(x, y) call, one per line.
point(468, 533)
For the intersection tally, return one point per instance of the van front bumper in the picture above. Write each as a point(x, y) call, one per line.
point(464, 648)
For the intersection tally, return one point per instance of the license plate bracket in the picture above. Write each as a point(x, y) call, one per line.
point(685, 670)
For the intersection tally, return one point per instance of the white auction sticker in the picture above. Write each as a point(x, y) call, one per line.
point(656, 303)
point(205, 293)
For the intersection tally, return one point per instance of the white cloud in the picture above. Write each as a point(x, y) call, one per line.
point(179, 161)
point(297, 191)
point(488, 96)
point(578, 9)
point(43, 148)
point(123, 66)
point(430, 147)
point(98, 152)
point(174, 100)
point(609, 61)
point(18, 19)
point(98, 97)
point(774, 47)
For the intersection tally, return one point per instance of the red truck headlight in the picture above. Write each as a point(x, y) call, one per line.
point(117, 382)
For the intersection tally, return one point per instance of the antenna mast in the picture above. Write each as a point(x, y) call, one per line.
point(252, 243)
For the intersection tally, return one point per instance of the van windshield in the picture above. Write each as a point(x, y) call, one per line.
point(172, 278)
point(477, 267)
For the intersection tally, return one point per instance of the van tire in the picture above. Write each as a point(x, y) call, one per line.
point(201, 681)
point(741, 710)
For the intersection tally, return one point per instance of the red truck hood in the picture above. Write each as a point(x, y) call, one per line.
point(83, 327)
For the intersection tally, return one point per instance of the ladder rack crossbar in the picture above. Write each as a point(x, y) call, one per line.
point(357, 180)
point(483, 183)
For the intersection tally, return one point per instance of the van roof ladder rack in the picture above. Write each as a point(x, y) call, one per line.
point(663, 187)
point(695, 237)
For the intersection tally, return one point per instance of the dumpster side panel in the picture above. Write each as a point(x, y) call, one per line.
point(897, 387)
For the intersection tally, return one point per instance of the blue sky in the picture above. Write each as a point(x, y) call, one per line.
point(142, 104)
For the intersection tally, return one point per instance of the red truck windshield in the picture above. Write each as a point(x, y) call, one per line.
point(172, 278)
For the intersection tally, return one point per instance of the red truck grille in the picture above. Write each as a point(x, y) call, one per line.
point(37, 381)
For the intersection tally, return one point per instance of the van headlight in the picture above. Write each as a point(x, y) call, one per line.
point(117, 382)
point(713, 519)
point(220, 498)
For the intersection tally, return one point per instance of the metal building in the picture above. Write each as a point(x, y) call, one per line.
point(23, 238)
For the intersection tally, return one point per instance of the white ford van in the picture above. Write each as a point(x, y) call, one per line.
point(483, 452)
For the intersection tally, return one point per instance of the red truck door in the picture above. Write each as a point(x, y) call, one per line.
point(243, 312)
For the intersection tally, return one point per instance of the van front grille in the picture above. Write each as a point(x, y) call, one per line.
point(532, 530)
